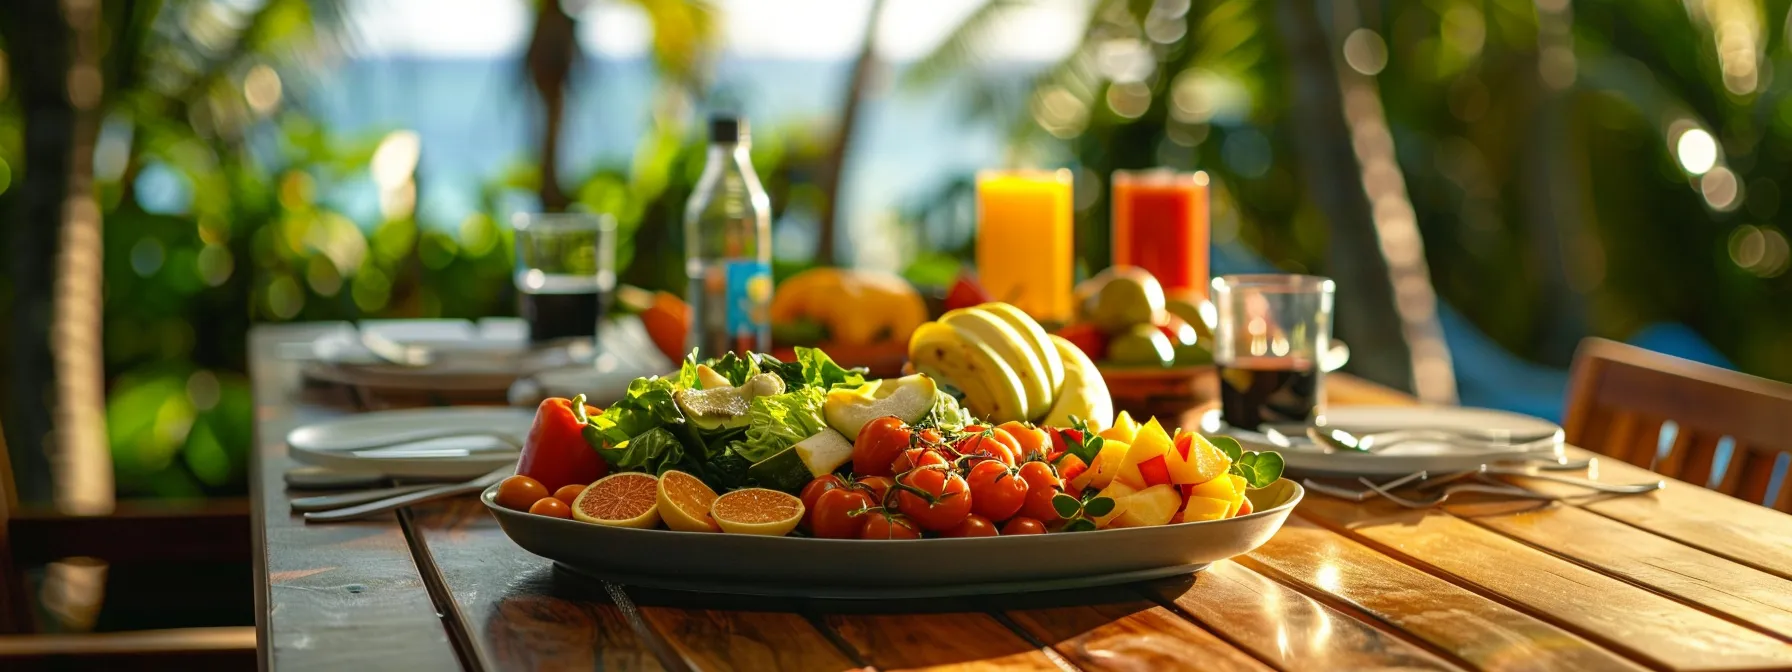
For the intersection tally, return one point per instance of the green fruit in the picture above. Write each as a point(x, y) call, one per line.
point(1132, 297)
point(1141, 345)
point(1198, 313)
point(1193, 355)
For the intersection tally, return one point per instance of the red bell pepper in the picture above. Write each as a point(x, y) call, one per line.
point(556, 453)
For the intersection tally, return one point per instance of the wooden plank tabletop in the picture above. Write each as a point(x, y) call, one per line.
point(1682, 579)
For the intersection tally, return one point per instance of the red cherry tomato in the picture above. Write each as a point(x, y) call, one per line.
point(1062, 438)
point(877, 486)
point(813, 492)
point(840, 513)
point(997, 490)
point(1030, 439)
point(1023, 525)
point(519, 492)
point(986, 441)
point(973, 526)
point(917, 457)
point(550, 507)
point(934, 497)
point(569, 493)
point(556, 452)
point(878, 444)
point(889, 526)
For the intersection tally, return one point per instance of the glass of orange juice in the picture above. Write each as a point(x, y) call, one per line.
point(1024, 240)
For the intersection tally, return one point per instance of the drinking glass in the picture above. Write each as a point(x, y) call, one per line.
point(1160, 225)
point(565, 272)
point(1273, 331)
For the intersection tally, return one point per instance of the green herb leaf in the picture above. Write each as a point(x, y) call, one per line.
point(654, 451)
point(1080, 525)
point(1100, 506)
point(1066, 506)
point(1227, 445)
point(819, 370)
point(1262, 469)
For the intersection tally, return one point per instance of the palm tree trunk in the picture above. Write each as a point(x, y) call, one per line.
point(1386, 307)
point(553, 52)
point(863, 68)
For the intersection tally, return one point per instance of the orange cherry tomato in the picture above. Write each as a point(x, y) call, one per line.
point(1042, 486)
point(1069, 468)
point(569, 492)
point(1030, 439)
point(889, 526)
point(973, 526)
point(840, 513)
point(934, 497)
point(520, 492)
point(987, 441)
point(997, 490)
point(551, 507)
point(1244, 509)
point(1023, 525)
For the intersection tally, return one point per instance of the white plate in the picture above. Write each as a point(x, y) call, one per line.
point(1305, 458)
point(330, 444)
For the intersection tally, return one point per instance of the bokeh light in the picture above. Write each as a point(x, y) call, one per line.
point(261, 89)
point(1721, 190)
point(1697, 151)
point(1365, 51)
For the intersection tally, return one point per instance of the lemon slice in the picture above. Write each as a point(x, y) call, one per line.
point(757, 511)
point(628, 499)
point(684, 503)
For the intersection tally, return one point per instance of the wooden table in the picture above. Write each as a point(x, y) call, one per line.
point(1684, 579)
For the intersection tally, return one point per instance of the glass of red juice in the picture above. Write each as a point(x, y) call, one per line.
point(1272, 331)
point(565, 273)
point(1160, 225)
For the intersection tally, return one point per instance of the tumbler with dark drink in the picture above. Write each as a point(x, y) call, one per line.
point(1271, 333)
point(565, 273)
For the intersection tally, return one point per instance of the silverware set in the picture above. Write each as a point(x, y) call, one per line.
point(420, 444)
point(1431, 491)
point(355, 505)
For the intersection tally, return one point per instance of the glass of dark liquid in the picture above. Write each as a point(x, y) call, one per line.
point(1273, 330)
point(565, 273)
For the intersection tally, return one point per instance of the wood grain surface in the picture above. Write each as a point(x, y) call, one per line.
point(1683, 579)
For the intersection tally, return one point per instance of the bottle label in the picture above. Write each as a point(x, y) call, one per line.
point(749, 296)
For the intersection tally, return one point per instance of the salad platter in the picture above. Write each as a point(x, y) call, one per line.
point(752, 474)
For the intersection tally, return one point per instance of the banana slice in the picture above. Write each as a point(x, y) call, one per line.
point(1085, 393)
point(1041, 343)
point(1012, 348)
point(958, 358)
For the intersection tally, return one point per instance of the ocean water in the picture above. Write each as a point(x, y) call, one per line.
point(476, 117)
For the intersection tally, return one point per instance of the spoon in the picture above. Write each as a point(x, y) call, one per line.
point(1339, 439)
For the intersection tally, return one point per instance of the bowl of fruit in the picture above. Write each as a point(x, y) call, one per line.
point(1151, 347)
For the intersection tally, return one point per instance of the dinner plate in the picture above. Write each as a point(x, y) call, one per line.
point(852, 568)
point(337, 444)
point(1305, 458)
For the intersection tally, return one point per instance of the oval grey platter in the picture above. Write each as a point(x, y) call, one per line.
point(855, 569)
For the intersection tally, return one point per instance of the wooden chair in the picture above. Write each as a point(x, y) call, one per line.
point(1630, 403)
point(205, 531)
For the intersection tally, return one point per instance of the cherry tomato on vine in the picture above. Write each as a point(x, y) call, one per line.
point(992, 442)
point(876, 486)
point(916, 457)
point(934, 497)
point(878, 444)
point(1069, 468)
point(813, 492)
point(1023, 525)
point(973, 526)
point(1042, 485)
point(997, 490)
point(1030, 439)
point(1061, 440)
point(840, 513)
point(883, 525)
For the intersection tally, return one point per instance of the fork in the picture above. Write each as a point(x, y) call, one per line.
point(1444, 495)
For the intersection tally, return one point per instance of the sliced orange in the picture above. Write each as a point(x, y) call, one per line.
point(757, 511)
point(628, 499)
point(684, 503)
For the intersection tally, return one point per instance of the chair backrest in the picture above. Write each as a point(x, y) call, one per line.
point(1714, 427)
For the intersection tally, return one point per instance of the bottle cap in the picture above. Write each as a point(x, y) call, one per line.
point(727, 128)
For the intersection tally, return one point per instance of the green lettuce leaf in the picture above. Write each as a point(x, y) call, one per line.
point(648, 404)
point(779, 421)
point(946, 413)
point(819, 370)
point(654, 451)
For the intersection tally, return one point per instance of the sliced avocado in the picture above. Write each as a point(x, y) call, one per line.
point(824, 452)
point(719, 408)
point(908, 398)
point(782, 471)
point(709, 379)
